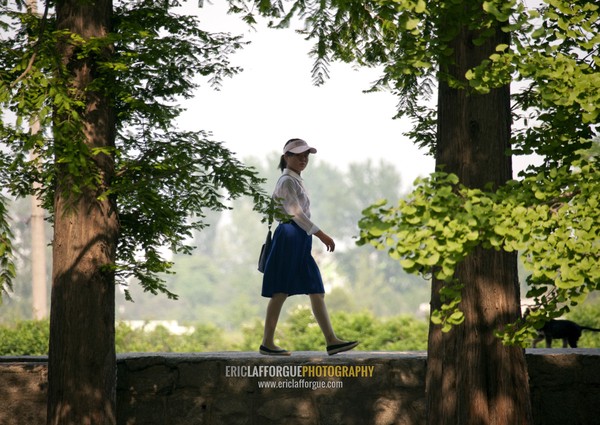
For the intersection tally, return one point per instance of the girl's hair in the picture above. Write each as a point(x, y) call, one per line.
point(282, 162)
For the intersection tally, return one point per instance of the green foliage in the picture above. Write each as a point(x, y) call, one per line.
point(252, 335)
point(7, 267)
point(203, 338)
point(16, 304)
point(164, 180)
point(554, 59)
point(410, 40)
point(300, 332)
point(550, 218)
point(30, 338)
point(550, 215)
point(25, 338)
point(397, 333)
point(588, 315)
point(219, 282)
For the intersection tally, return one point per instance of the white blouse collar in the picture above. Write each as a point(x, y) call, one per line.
point(291, 173)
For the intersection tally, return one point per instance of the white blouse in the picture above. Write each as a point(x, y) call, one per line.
point(293, 200)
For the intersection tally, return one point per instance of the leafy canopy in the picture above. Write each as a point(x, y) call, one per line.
point(550, 214)
point(162, 176)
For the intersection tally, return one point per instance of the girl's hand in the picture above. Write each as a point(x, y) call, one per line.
point(327, 241)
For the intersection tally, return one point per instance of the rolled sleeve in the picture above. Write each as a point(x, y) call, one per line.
point(294, 202)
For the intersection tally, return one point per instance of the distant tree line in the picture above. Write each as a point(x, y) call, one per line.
point(219, 284)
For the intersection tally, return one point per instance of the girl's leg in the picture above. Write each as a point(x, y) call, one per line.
point(334, 344)
point(317, 301)
point(273, 311)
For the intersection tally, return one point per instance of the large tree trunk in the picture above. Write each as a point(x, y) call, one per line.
point(82, 361)
point(472, 378)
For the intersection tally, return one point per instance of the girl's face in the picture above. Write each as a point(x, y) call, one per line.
point(297, 162)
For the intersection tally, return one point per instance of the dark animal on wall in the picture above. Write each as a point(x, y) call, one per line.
point(567, 330)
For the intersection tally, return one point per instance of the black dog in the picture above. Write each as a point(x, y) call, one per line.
point(568, 331)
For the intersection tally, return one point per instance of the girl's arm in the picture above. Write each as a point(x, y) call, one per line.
point(326, 239)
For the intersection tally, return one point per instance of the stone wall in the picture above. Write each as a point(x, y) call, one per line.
point(379, 388)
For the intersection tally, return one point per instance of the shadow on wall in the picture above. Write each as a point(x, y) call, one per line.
point(23, 387)
point(565, 383)
point(358, 388)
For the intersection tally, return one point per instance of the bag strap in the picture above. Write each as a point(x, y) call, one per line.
point(270, 222)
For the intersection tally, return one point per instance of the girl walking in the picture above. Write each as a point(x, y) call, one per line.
point(290, 268)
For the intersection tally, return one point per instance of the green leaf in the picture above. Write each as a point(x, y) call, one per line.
point(407, 263)
point(456, 318)
point(432, 259)
point(421, 6)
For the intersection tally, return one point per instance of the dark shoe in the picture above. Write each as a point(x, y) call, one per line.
point(340, 348)
point(268, 352)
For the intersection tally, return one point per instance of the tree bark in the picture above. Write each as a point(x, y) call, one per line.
point(472, 378)
point(82, 361)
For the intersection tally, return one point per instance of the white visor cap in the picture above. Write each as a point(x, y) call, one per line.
point(298, 146)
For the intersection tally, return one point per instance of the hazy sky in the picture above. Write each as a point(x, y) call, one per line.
point(274, 100)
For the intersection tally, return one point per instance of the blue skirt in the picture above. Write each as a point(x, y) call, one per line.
point(290, 267)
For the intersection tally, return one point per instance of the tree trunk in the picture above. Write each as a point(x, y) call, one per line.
point(39, 281)
point(38, 261)
point(38, 234)
point(472, 378)
point(82, 361)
